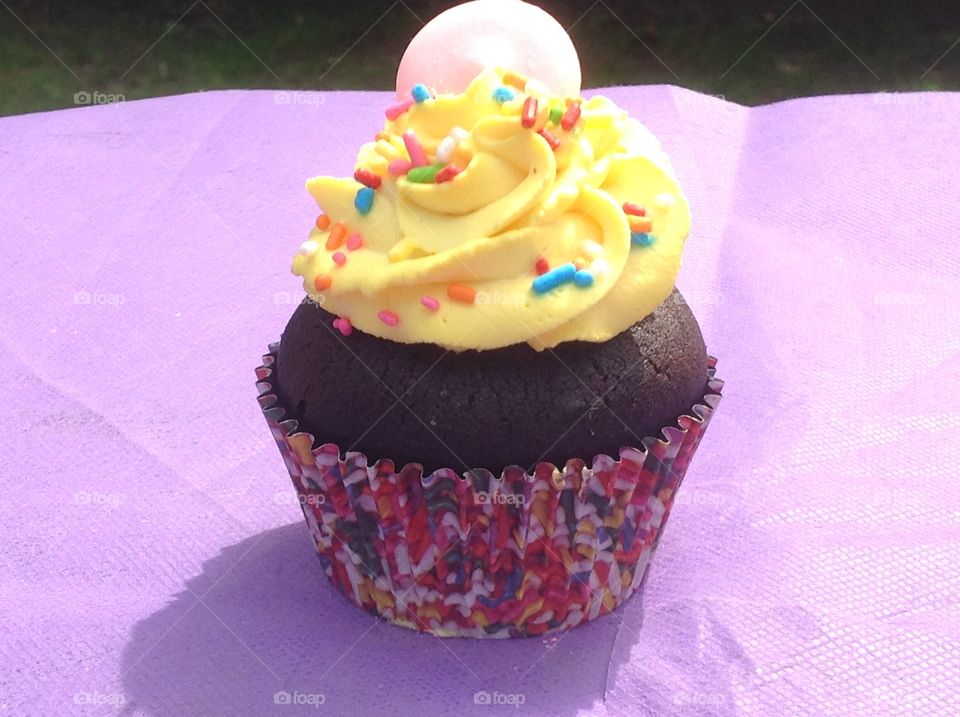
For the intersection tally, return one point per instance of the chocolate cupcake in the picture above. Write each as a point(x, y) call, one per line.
point(492, 390)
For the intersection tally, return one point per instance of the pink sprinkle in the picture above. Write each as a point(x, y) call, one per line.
point(343, 325)
point(388, 317)
point(414, 149)
point(394, 111)
point(399, 167)
point(339, 258)
point(354, 242)
point(430, 302)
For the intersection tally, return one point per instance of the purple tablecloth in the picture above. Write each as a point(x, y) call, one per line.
point(154, 560)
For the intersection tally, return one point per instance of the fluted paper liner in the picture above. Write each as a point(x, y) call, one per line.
point(476, 555)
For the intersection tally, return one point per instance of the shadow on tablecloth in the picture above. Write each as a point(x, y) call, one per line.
point(270, 623)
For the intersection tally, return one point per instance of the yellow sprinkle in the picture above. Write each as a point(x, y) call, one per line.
point(383, 599)
point(531, 610)
point(479, 618)
point(300, 444)
point(403, 250)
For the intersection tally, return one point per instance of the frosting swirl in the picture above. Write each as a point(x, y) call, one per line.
point(530, 218)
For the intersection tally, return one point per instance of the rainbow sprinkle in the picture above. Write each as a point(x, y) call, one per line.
point(339, 258)
point(583, 278)
point(354, 242)
point(394, 111)
point(368, 178)
point(528, 118)
point(570, 117)
point(641, 239)
point(551, 138)
point(424, 175)
point(554, 278)
point(462, 293)
point(600, 266)
point(447, 173)
point(335, 238)
point(364, 200)
point(503, 94)
point(418, 157)
point(309, 248)
point(430, 302)
point(388, 317)
point(514, 79)
point(343, 325)
point(399, 167)
point(420, 93)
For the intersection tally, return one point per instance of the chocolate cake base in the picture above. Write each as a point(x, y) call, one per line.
point(418, 403)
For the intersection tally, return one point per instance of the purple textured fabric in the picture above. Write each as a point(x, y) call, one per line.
point(155, 561)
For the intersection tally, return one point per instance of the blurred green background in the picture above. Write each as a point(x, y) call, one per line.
point(749, 51)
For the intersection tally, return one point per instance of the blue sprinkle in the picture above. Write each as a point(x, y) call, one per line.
point(503, 94)
point(420, 93)
point(583, 278)
point(364, 199)
point(554, 278)
point(641, 239)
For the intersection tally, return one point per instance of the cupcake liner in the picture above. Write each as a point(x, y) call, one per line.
point(480, 555)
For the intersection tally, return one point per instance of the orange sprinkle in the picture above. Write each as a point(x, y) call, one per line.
point(462, 293)
point(323, 222)
point(321, 282)
point(515, 79)
point(337, 234)
point(641, 224)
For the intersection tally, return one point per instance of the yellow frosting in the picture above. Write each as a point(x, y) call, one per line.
point(516, 201)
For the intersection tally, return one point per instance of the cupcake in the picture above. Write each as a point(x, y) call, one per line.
point(492, 390)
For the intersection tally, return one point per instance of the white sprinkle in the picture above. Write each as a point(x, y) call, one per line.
point(309, 248)
point(446, 149)
point(591, 248)
point(600, 266)
point(665, 200)
point(535, 87)
point(459, 133)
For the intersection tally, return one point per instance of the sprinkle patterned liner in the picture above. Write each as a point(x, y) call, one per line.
point(485, 556)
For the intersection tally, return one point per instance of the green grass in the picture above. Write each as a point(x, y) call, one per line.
point(310, 48)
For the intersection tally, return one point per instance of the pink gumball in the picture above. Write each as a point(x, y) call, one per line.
point(457, 44)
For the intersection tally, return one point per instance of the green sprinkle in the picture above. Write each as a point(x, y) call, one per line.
point(424, 175)
point(556, 114)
